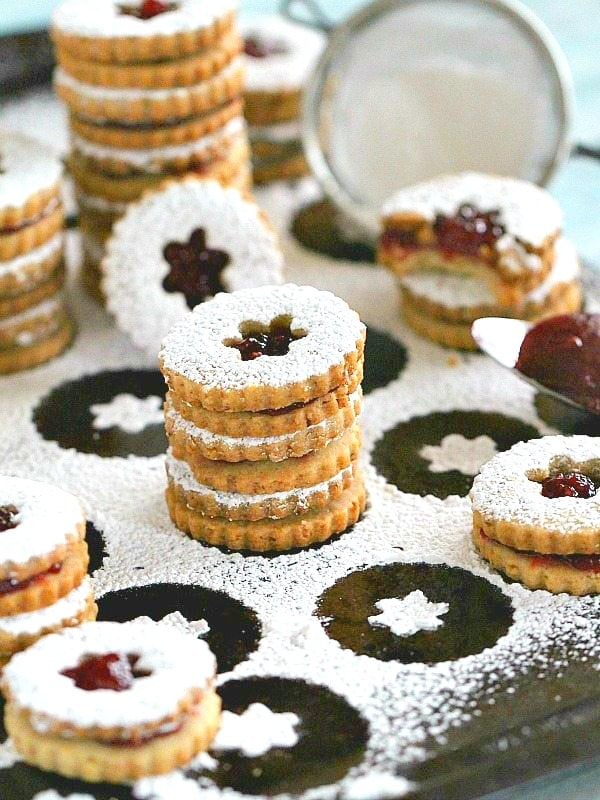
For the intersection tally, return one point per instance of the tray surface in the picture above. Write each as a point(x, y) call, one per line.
point(292, 631)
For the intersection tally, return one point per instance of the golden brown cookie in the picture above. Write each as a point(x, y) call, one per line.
point(185, 437)
point(272, 534)
point(577, 575)
point(267, 477)
point(265, 171)
point(149, 106)
point(108, 35)
point(10, 305)
point(133, 137)
point(234, 506)
point(24, 273)
point(268, 423)
point(32, 325)
point(21, 357)
point(31, 233)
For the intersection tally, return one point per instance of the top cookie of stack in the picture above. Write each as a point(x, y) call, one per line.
point(472, 245)
point(154, 90)
point(261, 417)
point(279, 56)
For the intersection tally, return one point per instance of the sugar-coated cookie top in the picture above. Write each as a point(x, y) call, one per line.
point(177, 662)
point(508, 487)
point(296, 51)
point(105, 19)
point(67, 608)
point(196, 348)
point(45, 518)
point(528, 213)
point(135, 266)
point(26, 168)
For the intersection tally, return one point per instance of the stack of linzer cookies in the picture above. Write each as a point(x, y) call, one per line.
point(153, 90)
point(34, 326)
point(261, 417)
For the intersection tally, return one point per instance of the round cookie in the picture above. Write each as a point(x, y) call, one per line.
point(509, 507)
point(112, 702)
point(179, 246)
point(42, 549)
point(279, 56)
point(123, 32)
point(188, 438)
point(32, 232)
point(32, 325)
point(30, 175)
point(500, 229)
point(24, 273)
point(26, 356)
point(149, 106)
point(311, 342)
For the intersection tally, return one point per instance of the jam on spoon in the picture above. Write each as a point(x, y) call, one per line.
point(563, 354)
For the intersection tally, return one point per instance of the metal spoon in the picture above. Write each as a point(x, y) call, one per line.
point(501, 339)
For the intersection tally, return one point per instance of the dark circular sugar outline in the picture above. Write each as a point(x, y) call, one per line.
point(332, 738)
point(96, 547)
point(479, 613)
point(316, 227)
point(396, 456)
point(235, 630)
point(385, 360)
point(63, 416)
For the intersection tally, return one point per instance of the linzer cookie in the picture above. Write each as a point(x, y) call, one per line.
point(279, 57)
point(311, 342)
point(536, 513)
point(264, 440)
point(131, 31)
point(24, 273)
point(178, 247)
point(500, 229)
point(112, 702)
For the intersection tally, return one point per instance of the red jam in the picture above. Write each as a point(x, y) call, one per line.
point(262, 48)
point(569, 484)
point(583, 563)
point(275, 342)
point(113, 671)
point(7, 517)
point(148, 9)
point(563, 353)
point(467, 231)
point(195, 269)
point(11, 585)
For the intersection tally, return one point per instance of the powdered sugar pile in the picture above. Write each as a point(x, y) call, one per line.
point(410, 615)
point(26, 167)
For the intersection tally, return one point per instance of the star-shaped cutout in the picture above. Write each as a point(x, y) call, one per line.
point(256, 731)
point(195, 628)
point(195, 268)
point(455, 452)
point(409, 615)
point(129, 413)
point(265, 340)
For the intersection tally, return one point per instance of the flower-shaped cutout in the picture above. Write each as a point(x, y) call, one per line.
point(195, 268)
point(265, 340)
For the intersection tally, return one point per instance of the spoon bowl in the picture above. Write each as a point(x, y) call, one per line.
point(501, 339)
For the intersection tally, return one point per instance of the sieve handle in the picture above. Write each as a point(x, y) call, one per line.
point(308, 13)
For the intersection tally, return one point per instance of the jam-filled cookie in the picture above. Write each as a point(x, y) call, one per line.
point(502, 230)
point(180, 246)
point(536, 513)
point(112, 702)
point(262, 419)
point(43, 554)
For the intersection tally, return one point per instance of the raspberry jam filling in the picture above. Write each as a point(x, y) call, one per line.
point(469, 232)
point(569, 484)
point(113, 671)
point(11, 585)
point(256, 47)
point(272, 341)
point(195, 269)
point(147, 9)
point(563, 353)
point(8, 516)
point(25, 223)
point(583, 563)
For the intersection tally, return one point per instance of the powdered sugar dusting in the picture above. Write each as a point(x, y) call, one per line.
point(256, 731)
point(528, 213)
point(409, 615)
point(27, 167)
point(134, 266)
point(281, 71)
point(503, 490)
point(34, 622)
point(178, 663)
point(126, 411)
point(37, 256)
point(103, 18)
point(378, 786)
point(196, 347)
point(457, 452)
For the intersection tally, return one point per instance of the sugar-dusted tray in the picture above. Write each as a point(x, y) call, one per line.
point(506, 689)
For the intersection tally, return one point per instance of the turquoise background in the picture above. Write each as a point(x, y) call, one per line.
point(575, 23)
